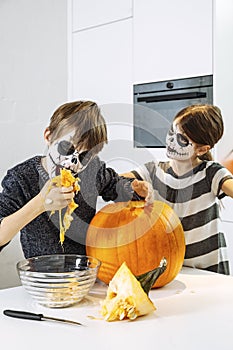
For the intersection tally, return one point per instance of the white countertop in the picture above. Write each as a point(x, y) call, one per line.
point(195, 311)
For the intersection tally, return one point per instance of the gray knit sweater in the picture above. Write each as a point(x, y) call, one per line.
point(41, 236)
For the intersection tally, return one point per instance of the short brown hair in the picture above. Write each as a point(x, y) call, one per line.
point(83, 116)
point(203, 124)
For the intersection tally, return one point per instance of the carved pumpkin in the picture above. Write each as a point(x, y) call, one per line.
point(138, 235)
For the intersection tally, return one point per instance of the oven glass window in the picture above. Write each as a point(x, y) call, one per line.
point(156, 104)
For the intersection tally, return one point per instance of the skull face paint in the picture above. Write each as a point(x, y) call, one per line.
point(178, 145)
point(62, 154)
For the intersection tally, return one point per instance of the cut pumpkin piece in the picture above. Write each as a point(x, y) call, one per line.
point(125, 298)
point(66, 179)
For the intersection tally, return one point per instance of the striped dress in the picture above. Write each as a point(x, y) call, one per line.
point(195, 199)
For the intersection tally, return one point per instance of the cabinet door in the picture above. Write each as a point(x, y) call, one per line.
point(223, 71)
point(102, 63)
point(172, 39)
point(90, 13)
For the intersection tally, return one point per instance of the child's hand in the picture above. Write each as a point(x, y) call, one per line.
point(56, 198)
point(144, 189)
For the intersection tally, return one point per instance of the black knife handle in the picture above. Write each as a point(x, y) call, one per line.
point(23, 314)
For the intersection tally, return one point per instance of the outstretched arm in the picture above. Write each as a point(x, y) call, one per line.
point(227, 187)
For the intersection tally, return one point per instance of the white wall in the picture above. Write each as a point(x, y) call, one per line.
point(33, 83)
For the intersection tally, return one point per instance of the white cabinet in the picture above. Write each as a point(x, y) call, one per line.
point(171, 39)
point(223, 70)
point(102, 63)
point(100, 69)
point(100, 50)
point(114, 44)
point(91, 13)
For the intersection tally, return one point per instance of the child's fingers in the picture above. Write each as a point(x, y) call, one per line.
point(150, 195)
point(140, 187)
point(137, 184)
point(67, 189)
point(144, 189)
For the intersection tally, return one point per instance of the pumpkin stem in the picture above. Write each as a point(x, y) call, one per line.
point(148, 279)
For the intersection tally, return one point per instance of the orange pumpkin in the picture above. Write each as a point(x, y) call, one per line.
point(138, 235)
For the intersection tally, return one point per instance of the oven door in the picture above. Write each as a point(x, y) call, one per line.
point(154, 113)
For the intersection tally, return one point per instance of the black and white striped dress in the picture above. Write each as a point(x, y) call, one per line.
point(195, 199)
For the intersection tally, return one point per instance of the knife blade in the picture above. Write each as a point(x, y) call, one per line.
point(37, 317)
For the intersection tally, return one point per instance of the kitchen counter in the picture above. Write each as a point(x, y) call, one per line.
point(194, 311)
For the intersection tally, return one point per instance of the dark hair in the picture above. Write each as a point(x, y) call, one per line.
point(203, 124)
point(83, 116)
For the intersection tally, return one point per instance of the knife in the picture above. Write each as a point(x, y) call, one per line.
point(37, 317)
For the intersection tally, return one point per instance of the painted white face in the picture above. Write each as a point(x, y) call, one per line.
point(62, 154)
point(178, 145)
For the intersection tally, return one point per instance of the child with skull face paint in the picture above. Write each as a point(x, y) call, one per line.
point(76, 134)
point(192, 184)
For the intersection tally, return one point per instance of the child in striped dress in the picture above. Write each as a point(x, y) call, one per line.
point(192, 184)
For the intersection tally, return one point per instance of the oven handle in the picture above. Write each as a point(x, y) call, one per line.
point(172, 97)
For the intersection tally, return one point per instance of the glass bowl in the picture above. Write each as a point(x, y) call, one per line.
point(58, 280)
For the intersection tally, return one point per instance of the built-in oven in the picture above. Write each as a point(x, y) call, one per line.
point(156, 104)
